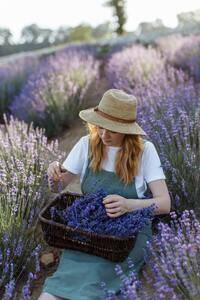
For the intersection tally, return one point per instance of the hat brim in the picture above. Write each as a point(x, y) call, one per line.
point(90, 116)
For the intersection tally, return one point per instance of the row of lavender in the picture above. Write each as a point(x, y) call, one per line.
point(24, 157)
point(50, 91)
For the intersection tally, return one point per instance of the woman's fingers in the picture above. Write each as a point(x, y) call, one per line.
point(112, 205)
point(54, 170)
point(118, 214)
point(113, 210)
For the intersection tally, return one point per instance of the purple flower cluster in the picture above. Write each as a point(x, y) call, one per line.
point(132, 66)
point(182, 52)
point(24, 155)
point(88, 213)
point(173, 271)
point(188, 57)
point(54, 94)
point(170, 115)
point(169, 45)
point(13, 75)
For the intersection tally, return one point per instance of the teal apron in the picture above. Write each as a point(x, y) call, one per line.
point(79, 274)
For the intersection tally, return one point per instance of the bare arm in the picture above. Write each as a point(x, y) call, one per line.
point(160, 198)
point(117, 205)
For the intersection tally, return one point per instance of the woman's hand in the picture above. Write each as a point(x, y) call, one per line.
point(55, 175)
point(115, 205)
point(54, 171)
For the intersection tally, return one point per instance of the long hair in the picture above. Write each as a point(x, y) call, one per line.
point(127, 159)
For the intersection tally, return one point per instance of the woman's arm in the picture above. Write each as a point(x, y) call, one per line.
point(161, 198)
point(117, 205)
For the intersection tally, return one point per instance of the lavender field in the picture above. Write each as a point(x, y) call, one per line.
point(39, 97)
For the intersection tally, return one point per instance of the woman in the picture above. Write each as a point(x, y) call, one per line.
point(114, 156)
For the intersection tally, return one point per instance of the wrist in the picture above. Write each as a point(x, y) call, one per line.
point(132, 204)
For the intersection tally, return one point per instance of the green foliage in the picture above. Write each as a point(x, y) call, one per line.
point(5, 36)
point(81, 32)
point(102, 31)
point(34, 34)
point(119, 12)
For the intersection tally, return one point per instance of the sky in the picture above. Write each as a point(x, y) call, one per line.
point(16, 14)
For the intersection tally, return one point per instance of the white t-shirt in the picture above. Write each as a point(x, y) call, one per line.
point(150, 167)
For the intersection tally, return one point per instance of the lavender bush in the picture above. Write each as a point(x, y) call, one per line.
point(168, 45)
point(55, 93)
point(12, 77)
point(182, 52)
point(132, 66)
point(24, 156)
point(170, 115)
point(173, 270)
point(188, 57)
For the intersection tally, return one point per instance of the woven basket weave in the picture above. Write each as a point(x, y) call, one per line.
point(62, 236)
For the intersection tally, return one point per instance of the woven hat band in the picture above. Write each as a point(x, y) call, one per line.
point(96, 109)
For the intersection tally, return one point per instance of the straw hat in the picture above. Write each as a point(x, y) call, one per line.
point(116, 111)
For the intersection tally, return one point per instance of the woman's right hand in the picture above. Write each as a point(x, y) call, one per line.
point(54, 170)
point(54, 174)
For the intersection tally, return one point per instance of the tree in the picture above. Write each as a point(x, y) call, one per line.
point(103, 30)
point(61, 35)
point(118, 12)
point(5, 36)
point(33, 34)
point(82, 33)
point(189, 18)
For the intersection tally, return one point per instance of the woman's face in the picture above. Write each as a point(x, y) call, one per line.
point(110, 138)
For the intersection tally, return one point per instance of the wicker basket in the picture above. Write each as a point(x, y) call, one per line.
point(62, 236)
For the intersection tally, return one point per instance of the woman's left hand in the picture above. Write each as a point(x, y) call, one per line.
point(115, 205)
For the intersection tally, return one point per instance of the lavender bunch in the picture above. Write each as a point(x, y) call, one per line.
point(173, 271)
point(132, 66)
point(13, 75)
point(24, 157)
point(88, 213)
point(54, 94)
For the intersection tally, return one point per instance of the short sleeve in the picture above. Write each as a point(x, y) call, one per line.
point(76, 158)
point(151, 164)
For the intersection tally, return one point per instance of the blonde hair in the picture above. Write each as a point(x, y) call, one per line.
point(127, 158)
